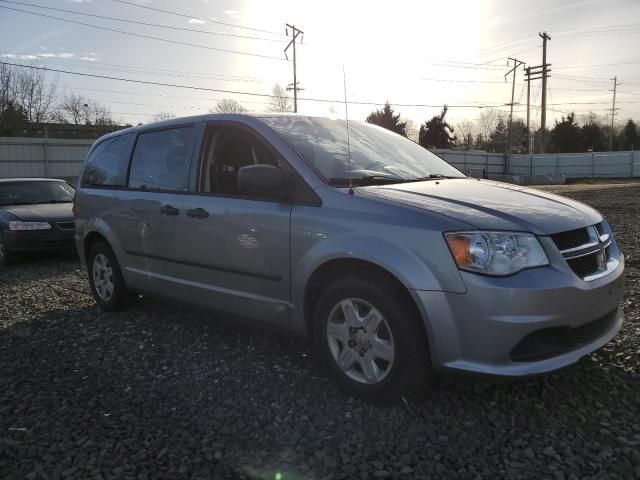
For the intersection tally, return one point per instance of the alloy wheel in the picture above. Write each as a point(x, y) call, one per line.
point(360, 341)
point(103, 277)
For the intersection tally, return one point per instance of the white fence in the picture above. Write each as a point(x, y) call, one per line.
point(42, 157)
point(474, 163)
point(577, 165)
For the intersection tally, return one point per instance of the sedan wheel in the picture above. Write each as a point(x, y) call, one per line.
point(103, 277)
point(360, 341)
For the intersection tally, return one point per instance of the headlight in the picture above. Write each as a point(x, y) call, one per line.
point(29, 226)
point(495, 253)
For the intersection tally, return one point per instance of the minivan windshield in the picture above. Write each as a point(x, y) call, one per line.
point(377, 155)
point(33, 192)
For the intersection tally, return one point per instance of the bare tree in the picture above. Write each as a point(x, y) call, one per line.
point(5, 87)
point(411, 129)
point(228, 105)
point(488, 121)
point(160, 116)
point(31, 93)
point(80, 110)
point(99, 115)
point(73, 109)
point(280, 101)
point(466, 130)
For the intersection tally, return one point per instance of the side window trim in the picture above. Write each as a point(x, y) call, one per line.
point(188, 157)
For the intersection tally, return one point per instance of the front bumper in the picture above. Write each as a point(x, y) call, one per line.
point(38, 240)
point(488, 328)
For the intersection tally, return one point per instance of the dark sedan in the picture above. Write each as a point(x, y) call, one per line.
point(35, 215)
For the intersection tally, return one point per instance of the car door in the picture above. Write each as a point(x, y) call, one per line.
point(236, 249)
point(157, 182)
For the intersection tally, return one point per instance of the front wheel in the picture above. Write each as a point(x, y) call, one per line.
point(370, 338)
point(5, 257)
point(105, 279)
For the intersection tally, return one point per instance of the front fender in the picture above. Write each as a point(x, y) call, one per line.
point(404, 264)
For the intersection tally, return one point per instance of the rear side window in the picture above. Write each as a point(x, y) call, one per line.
point(161, 159)
point(107, 164)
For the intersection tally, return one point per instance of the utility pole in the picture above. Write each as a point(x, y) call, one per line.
point(613, 111)
point(533, 73)
point(527, 74)
point(516, 64)
point(294, 34)
point(543, 115)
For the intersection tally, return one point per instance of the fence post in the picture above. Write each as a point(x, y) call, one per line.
point(632, 161)
point(557, 163)
point(486, 166)
point(466, 168)
point(593, 164)
point(531, 165)
point(44, 157)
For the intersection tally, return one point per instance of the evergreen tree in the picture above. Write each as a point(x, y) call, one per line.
point(498, 140)
point(385, 118)
point(629, 138)
point(437, 133)
point(593, 138)
point(566, 135)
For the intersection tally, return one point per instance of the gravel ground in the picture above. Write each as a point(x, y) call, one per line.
point(161, 391)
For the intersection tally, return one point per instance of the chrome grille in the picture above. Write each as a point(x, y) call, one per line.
point(571, 239)
point(586, 250)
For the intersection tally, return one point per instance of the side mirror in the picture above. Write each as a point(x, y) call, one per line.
point(264, 181)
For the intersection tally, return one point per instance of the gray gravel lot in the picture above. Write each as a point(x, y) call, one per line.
point(163, 391)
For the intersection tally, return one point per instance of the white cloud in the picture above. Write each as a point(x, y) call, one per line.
point(232, 13)
point(196, 21)
point(65, 55)
point(47, 55)
point(78, 1)
point(88, 59)
point(9, 55)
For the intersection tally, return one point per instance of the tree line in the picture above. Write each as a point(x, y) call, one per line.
point(28, 97)
point(490, 132)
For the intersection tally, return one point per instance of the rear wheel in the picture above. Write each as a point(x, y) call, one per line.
point(368, 335)
point(105, 278)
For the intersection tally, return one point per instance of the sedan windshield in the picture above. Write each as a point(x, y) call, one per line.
point(377, 155)
point(27, 193)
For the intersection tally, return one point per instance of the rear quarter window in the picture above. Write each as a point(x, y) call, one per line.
point(107, 164)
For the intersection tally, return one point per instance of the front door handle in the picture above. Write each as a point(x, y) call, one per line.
point(169, 210)
point(197, 213)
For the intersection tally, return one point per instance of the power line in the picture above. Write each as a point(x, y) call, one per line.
point(150, 37)
point(236, 92)
point(95, 65)
point(191, 16)
point(148, 24)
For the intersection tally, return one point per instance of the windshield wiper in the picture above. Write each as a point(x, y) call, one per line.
point(365, 180)
point(431, 176)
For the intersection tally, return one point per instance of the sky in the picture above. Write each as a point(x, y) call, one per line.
point(425, 53)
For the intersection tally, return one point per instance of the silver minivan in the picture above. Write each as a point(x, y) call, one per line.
point(392, 262)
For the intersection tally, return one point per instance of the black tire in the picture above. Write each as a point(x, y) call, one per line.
point(6, 258)
point(411, 366)
point(120, 296)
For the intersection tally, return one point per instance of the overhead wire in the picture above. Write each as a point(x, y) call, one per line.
point(149, 37)
point(137, 22)
point(169, 12)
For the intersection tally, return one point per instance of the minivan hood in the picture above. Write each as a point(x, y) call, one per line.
point(45, 212)
point(490, 205)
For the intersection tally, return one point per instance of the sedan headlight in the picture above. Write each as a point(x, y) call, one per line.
point(18, 225)
point(495, 253)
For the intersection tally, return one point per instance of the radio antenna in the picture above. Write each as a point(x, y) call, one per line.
point(346, 114)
